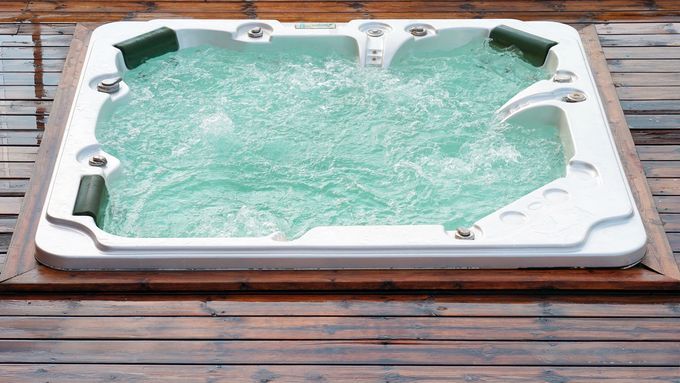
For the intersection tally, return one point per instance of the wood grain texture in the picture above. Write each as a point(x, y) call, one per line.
point(55, 373)
point(23, 239)
point(342, 328)
point(355, 352)
point(659, 255)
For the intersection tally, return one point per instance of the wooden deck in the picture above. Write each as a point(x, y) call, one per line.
point(97, 335)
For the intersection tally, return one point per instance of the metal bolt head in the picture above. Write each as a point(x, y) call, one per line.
point(562, 77)
point(575, 97)
point(256, 33)
point(375, 32)
point(97, 160)
point(418, 31)
point(109, 85)
point(464, 233)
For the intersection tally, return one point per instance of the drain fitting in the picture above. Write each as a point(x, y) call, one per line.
point(375, 32)
point(109, 85)
point(575, 97)
point(418, 31)
point(256, 33)
point(97, 160)
point(464, 233)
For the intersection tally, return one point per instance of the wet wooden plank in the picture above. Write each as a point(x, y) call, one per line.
point(15, 122)
point(16, 169)
point(661, 40)
point(668, 204)
point(664, 186)
point(7, 226)
point(526, 6)
point(31, 66)
point(674, 239)
point(21, 92)
point(585, 305)
point(646, 79)
point(20, 138)
point(643, 107)
point(642, 52)
point(665, 152)
point(46, 53)
point(667, 121)
point(656, 137)
point(644, 65)
point(18, 153)
point(13, 188)
point(344, 352)
point(45, 279)
point(671, 222)
point(9, 29)
point(4, 238)
point(662, 168)
point(10, 206)
point(56, 373)
point(30, 78)
point(340, 328)
point(251, 12)
point(21, 107)
point(638, 28)
point(648, 93)
point(46, 29)
point(34, 40)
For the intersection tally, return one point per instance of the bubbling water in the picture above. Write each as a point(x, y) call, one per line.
point(219, 143)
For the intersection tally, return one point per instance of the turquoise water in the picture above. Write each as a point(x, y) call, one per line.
point(219, 143)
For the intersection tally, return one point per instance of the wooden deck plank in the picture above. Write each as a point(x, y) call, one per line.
point(671, 222)
point(644, 66)
point(638, 28)
point(250, 10)
point(648, 93)
point(646, 79)
point(526, 6)
point(642, 52)
point(668, 121)
point(662, 40)
point(31, 66)
point(355, 352)
point(47, 53)
point(659, 152)
point(134, 373)
point(29, 78)
point(644, 107)
point(667, 204)
point(23, 123)
point(341, 328)
point(664, 186)
point(655, 137)
point(585, 305)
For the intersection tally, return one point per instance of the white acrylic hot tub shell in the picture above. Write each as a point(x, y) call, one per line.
point(586, 219)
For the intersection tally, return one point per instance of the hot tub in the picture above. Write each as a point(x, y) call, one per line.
point(574, 210)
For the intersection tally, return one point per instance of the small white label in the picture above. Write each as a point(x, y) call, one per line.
point(315, 26)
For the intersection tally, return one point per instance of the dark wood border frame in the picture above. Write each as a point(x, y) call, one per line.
point(659, 270)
